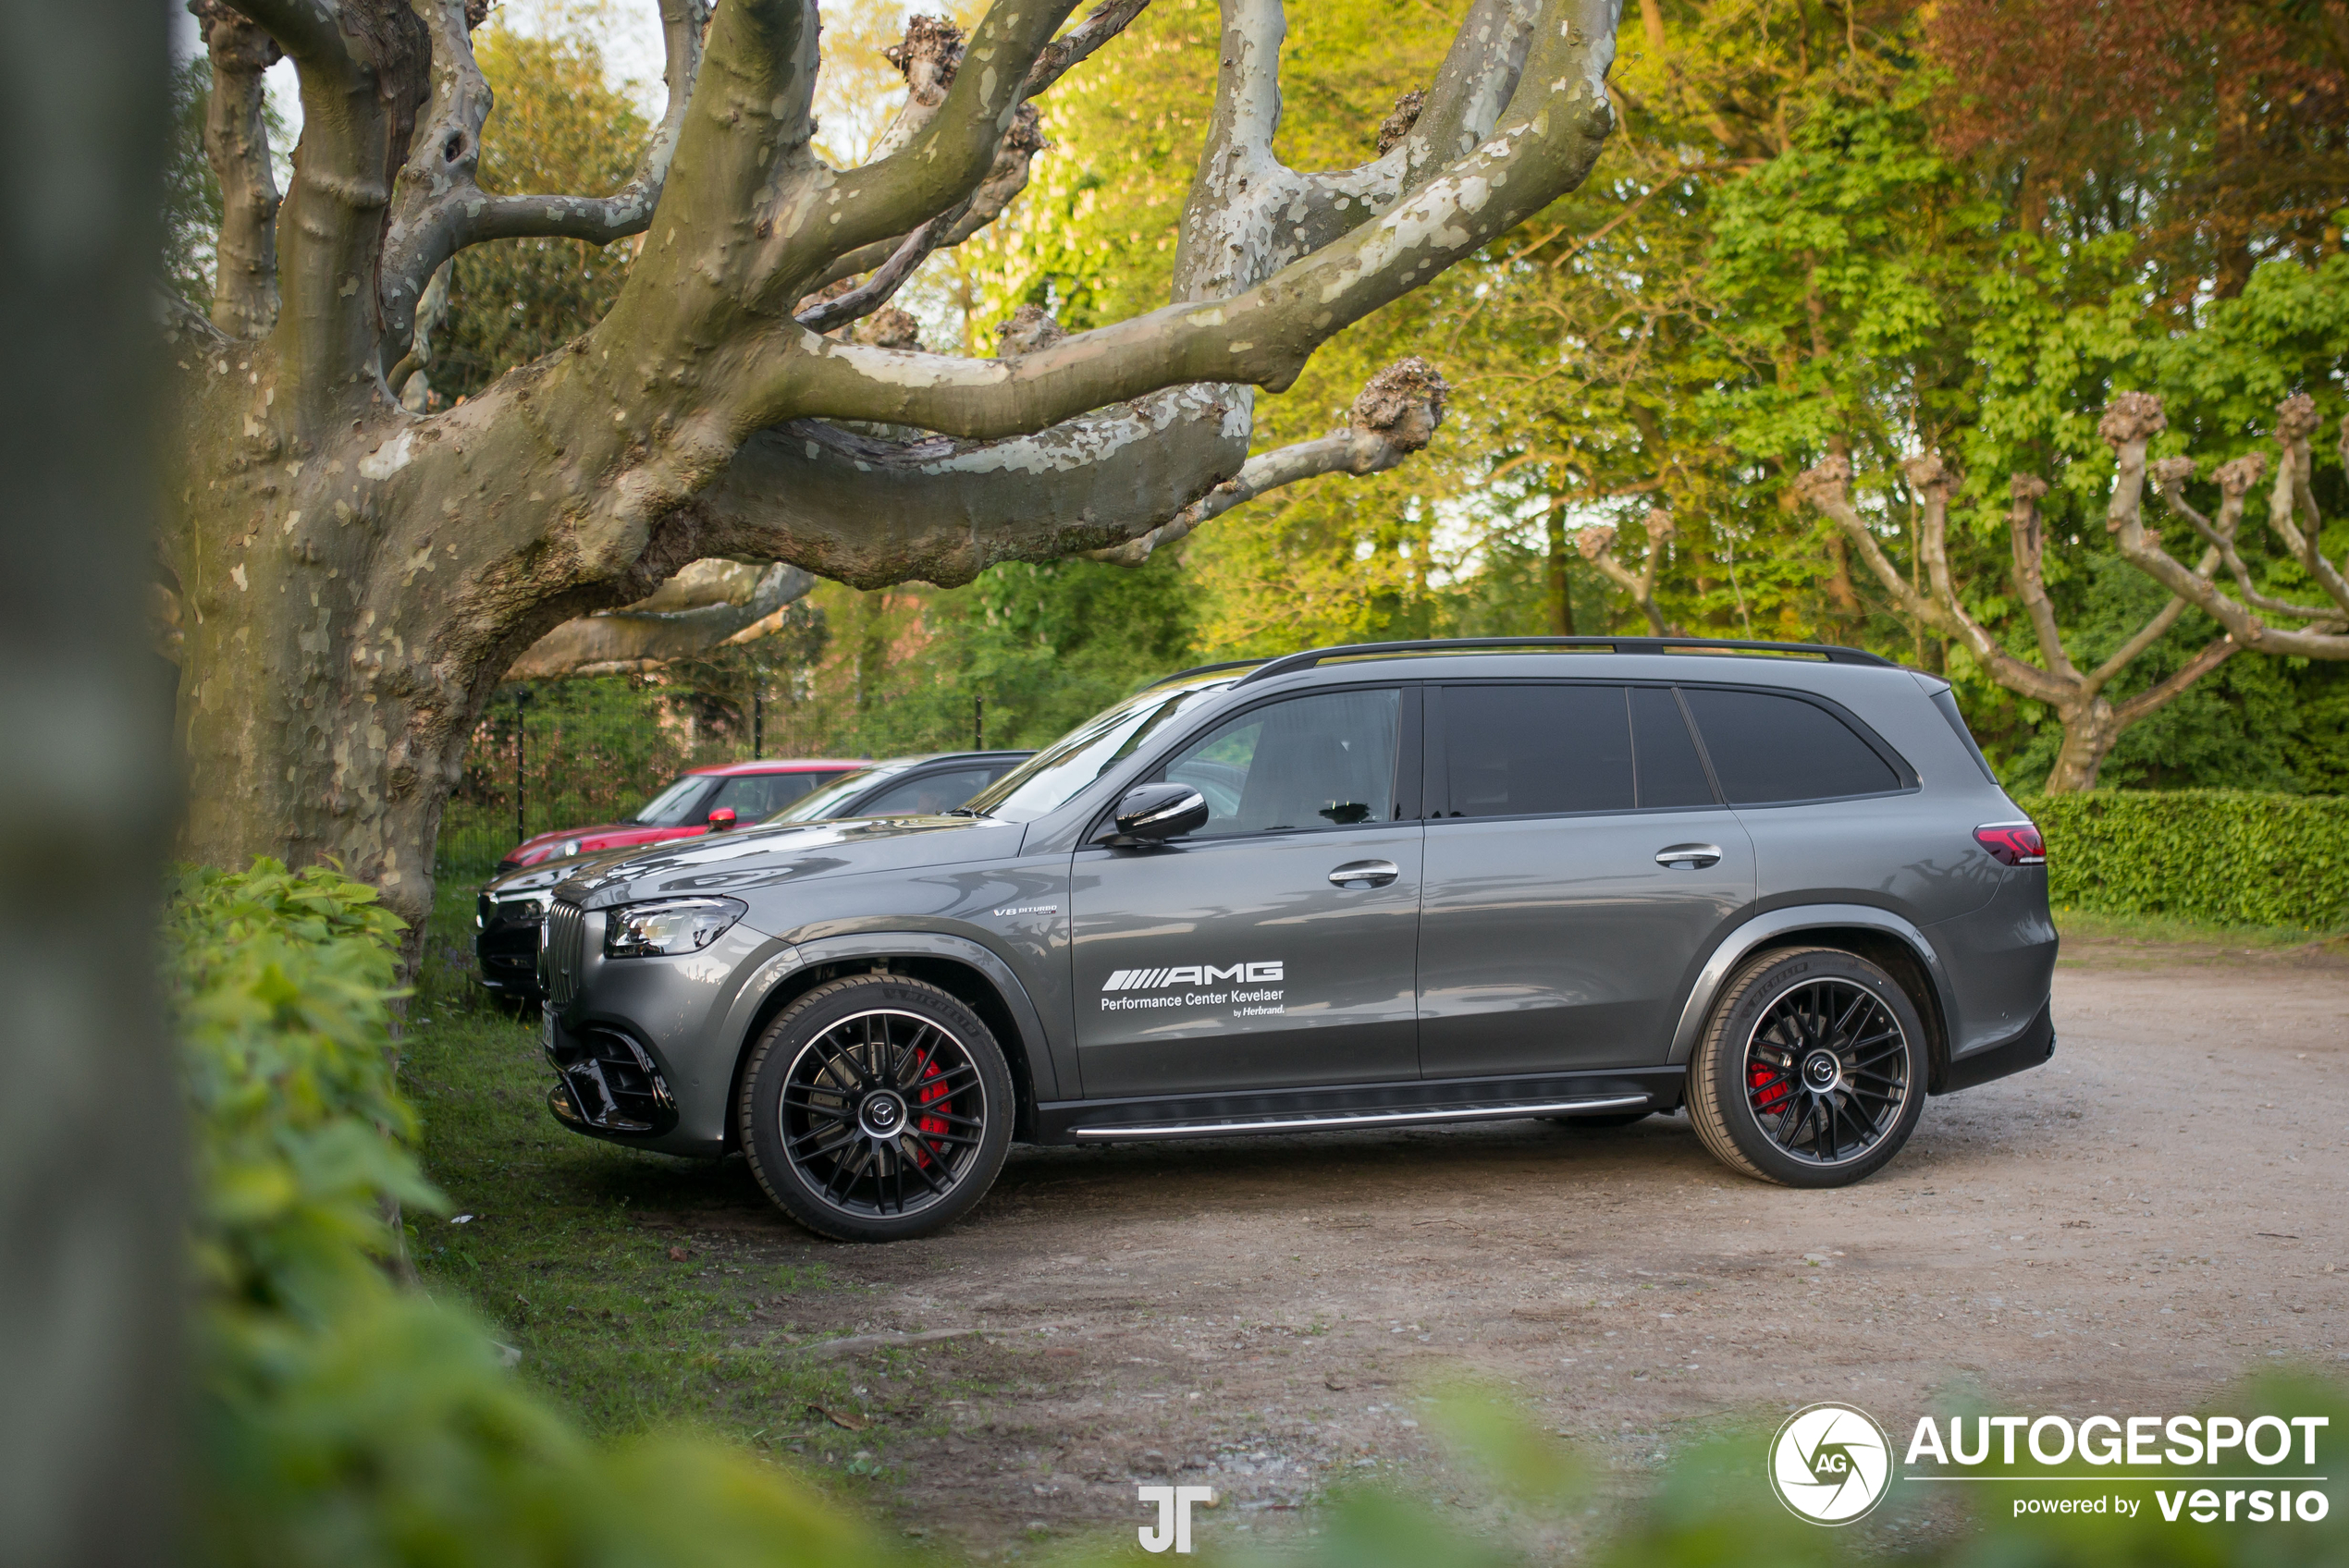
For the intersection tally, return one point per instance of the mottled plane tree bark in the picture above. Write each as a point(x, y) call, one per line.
point(355, 577)
point(2082, 700)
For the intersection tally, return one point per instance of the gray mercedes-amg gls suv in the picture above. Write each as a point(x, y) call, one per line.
point(1392, 884)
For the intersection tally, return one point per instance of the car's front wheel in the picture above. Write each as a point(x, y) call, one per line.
point(876, 1107)
point(1811, 1069)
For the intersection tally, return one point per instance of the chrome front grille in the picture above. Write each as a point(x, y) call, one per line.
point(562, 952)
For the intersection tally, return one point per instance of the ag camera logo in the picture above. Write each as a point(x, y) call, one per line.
point(1830, 1464)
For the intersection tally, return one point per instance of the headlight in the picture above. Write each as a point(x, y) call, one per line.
point(521, 910)
point(568, 848)
point(669, 926)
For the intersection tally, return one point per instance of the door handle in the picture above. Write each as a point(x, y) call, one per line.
point(1365, 873)
point(1689, 857)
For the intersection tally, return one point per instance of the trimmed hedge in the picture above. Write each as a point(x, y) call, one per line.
point(2229, 856)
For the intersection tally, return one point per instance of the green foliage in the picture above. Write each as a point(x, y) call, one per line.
point(339, 1419)
point(2230, 857)
point(557, 126)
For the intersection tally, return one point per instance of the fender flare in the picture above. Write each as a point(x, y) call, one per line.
point(1034, 1045)
point(1733, 949)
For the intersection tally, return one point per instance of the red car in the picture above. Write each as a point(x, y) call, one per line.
point(704, 799)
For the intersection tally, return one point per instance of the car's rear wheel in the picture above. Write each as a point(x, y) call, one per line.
point(1811, 1070)
point(875, 1108)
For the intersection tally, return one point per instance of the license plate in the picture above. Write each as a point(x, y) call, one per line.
point(546, 1029)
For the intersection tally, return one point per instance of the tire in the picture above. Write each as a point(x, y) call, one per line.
point(1602, 1119)
point(876, 1109)
point(1763, 1093)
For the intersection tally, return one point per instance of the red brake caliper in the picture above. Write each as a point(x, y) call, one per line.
point(932, 1090)
point(1768, 1086)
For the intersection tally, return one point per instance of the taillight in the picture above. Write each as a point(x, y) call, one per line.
point(2013, 843)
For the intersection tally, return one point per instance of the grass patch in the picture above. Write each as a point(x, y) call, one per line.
point(630, 1324)
point(2170, 931)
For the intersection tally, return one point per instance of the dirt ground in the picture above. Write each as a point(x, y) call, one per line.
point(2151, 1216)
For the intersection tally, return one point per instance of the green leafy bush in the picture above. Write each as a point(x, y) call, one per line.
point(2227, 856)
point(341, 1419)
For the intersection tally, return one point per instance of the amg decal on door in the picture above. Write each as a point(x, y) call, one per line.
point(1193, 974)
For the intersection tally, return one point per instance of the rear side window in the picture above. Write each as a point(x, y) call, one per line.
point(1525, 751)
point(1766, 748)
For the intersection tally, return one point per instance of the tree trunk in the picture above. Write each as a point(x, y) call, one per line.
point(354, 579)
point(1560, 587)
point(2090, 731)
point(93, 1165)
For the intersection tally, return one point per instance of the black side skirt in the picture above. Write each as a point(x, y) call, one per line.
point(1332, 1107)
point(2028, 1050)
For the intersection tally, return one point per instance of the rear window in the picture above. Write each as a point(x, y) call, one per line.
point(1768, 747)
point(1945, 702)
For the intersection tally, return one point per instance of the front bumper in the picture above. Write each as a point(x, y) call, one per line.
point(606, 1084)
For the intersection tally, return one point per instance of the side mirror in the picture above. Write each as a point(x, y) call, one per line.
point(721, 819)
point(1152, 811)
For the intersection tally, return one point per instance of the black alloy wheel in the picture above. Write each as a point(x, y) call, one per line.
point(876, 1107)
point(1826, 1071)
point(1811, 1069)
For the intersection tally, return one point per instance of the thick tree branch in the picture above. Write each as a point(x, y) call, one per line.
point(1262, 335)
point(2235, 480)
point(236, 143)
point(1005, 181)
point(1596, 544)
point(707, 604)
point(2029, 540)
point(363, 79)
point(937, 163)
point(1008, 176)
point(439, 208)
point(311, 32)
point(2091, 721)
point(1396, 414)
point(939, 510)
point(1826, 486)
point(2132, 419)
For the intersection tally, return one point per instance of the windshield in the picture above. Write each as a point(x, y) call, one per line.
point(1052, 777)
point(674, 805)
point(818, 804)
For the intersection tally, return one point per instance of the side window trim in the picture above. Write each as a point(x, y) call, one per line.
point(1908, 781)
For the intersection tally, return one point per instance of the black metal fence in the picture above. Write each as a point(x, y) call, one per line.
point(564, 754)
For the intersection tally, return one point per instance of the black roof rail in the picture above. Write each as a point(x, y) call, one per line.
point(1196, 669)
point(1830, 652)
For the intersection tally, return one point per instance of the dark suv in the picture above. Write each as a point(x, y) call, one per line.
point(1585, 879)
